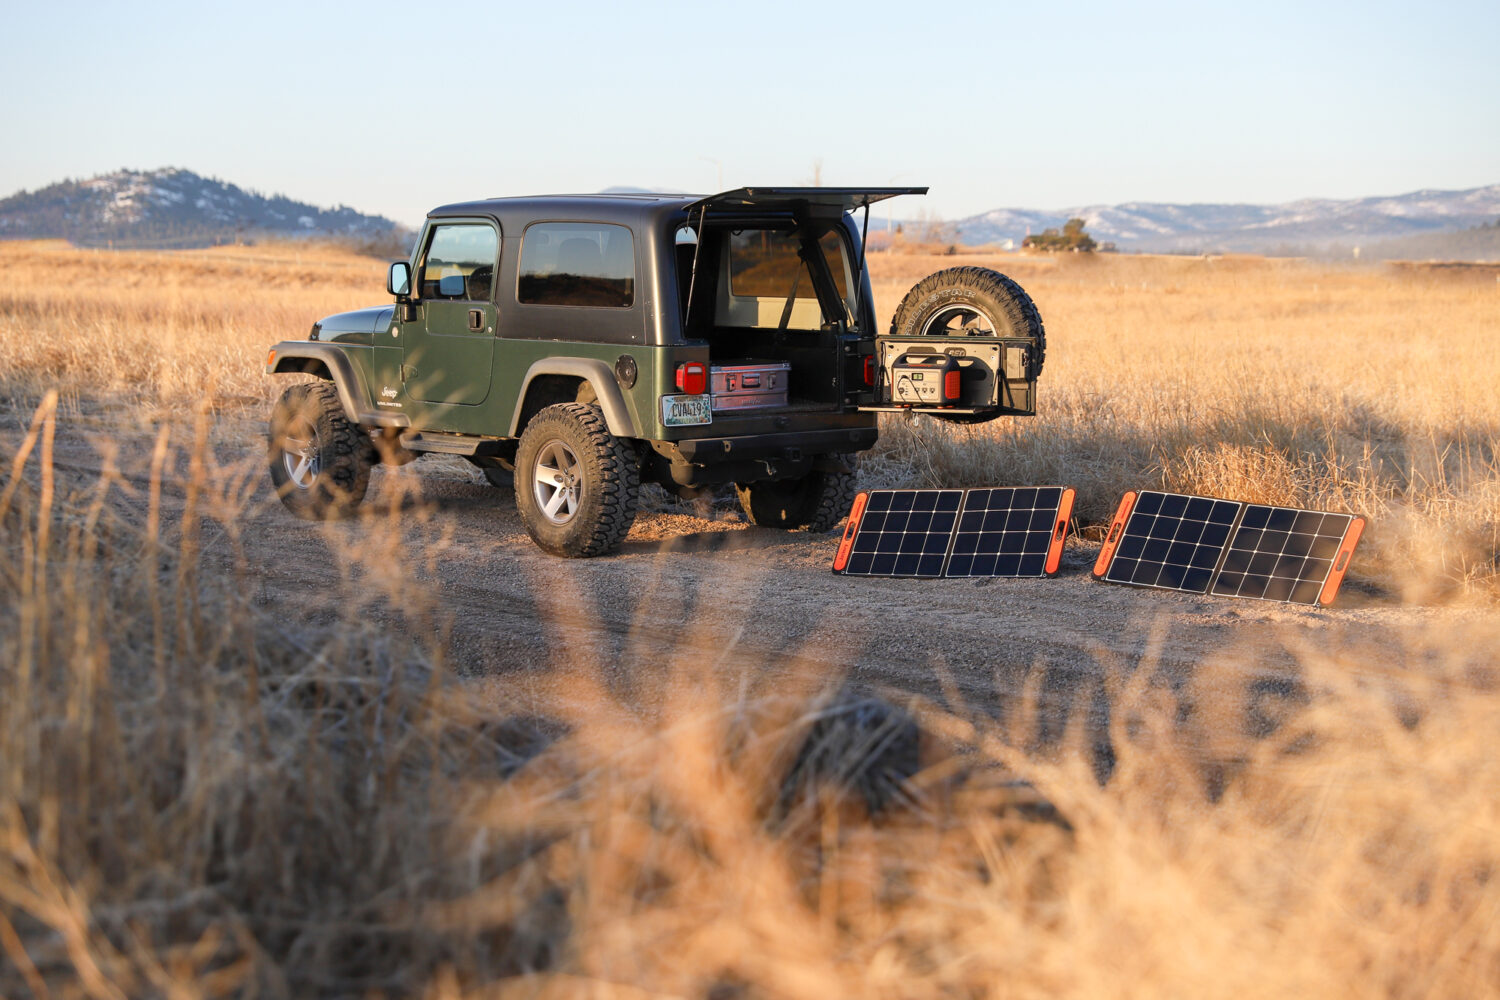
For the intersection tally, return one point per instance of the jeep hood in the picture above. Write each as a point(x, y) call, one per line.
point(373, 320)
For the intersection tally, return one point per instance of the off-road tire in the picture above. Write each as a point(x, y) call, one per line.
point(987, 292)
point(320, 460)
point(817, 501)
point(608, 480)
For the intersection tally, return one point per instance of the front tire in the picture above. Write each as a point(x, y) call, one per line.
point(320, 460)
point(817, 501)
point(577, 485)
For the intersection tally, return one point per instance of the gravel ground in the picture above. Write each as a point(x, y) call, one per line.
point(695, 585)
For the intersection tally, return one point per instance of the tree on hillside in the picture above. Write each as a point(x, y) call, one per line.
point(1072, 238)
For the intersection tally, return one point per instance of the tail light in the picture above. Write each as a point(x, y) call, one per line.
point(869, 369)
point(951, 390)
point(692, 377)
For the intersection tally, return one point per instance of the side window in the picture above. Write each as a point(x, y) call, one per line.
point(577, 264)
point(459, 263)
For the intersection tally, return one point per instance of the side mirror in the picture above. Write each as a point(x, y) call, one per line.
point(398, 282)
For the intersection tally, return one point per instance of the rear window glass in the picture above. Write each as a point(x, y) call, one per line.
point(765, 262)
point(770, 287)
point(577, 264)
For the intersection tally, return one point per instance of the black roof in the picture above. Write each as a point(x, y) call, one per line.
point(624, 207)
point(600, 207)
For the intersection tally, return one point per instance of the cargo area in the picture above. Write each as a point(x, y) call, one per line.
point(776, 308)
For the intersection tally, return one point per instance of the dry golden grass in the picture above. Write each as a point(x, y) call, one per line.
point(1369, 390)
point(162, 331)
point(200, 797)
point(203, 796)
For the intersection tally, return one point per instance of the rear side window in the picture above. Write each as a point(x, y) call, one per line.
point(577, 264)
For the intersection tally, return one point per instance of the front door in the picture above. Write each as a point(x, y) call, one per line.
point(447, 353)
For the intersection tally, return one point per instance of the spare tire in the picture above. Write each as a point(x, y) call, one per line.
point(972, 302)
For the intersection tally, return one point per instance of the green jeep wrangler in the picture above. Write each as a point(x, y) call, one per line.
point(576, 346)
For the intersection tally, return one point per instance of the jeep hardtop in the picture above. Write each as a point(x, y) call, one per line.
point(580, 345)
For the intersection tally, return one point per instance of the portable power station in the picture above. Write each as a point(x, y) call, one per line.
point(925, 380)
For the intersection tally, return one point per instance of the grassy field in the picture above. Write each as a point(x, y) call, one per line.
point(1369, 390)
point(201, 797)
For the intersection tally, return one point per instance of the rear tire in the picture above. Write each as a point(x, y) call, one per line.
point(320, 460)
point(577, 485)
point(499, 473)
point(504, 479)
point(817, 501)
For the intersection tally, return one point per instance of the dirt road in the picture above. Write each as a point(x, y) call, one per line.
point(750, 600)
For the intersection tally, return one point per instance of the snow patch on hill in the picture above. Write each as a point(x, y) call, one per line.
point(171, 205)
point(1309, 222)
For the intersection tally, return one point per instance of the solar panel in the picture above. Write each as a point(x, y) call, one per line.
point(1173, 542)
point(1283, 554)
point(999, 531)
point(1201, 545)
point(1008, 531)
point(899, 533)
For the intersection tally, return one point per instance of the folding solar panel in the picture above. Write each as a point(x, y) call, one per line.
point(1000, 531)
point(1203, 545)
point(1283, 554)
point(1009, 531)
point(899, 533)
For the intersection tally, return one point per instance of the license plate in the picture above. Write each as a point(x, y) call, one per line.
point(684, 411)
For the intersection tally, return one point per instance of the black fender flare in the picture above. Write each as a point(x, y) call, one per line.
point(354, 394)
point(617, 414)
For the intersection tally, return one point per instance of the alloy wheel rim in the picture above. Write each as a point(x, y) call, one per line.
point(557, 482)
point(299, 454)
point(959, 321)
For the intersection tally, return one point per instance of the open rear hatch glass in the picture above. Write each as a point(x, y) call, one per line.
point(801, 200)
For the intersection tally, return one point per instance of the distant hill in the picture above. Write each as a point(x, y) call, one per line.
point(1481, 243)
point(176, 208)
point(1310, 226)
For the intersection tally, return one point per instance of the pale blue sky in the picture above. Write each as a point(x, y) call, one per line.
point(393, 108)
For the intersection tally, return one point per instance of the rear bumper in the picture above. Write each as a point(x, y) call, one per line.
point(750, 458)
point(793, 446)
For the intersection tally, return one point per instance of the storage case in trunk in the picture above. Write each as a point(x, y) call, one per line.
point(749, 385)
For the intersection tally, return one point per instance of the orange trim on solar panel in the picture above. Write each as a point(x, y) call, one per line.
point(1341, 561)
point(841, 557)
point(1059, 532)
point(1116, 528)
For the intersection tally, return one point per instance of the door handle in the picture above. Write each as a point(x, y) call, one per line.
point(476, 320)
